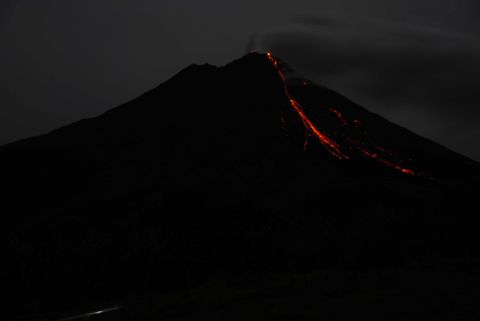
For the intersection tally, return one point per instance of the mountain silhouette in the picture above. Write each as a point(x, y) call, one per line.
point(245, 169)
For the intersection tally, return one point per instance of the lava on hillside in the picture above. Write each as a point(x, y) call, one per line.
point(360, 142)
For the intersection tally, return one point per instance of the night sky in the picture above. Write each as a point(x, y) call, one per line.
point(415, 62)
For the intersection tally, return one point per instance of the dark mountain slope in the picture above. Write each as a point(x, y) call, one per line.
point(215, 173)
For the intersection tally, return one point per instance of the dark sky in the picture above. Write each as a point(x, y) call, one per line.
point(415, 62)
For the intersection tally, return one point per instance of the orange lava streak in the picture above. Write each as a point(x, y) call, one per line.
point(331, 146)
point(338, 115)
point(387, 163)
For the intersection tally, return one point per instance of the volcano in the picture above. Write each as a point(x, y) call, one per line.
point(246, 169)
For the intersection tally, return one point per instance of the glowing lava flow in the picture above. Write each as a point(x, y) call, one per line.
point(331, 146)
point(387, 163)
point(339, 116)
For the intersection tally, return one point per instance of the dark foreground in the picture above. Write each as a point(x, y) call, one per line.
point(448, 291)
